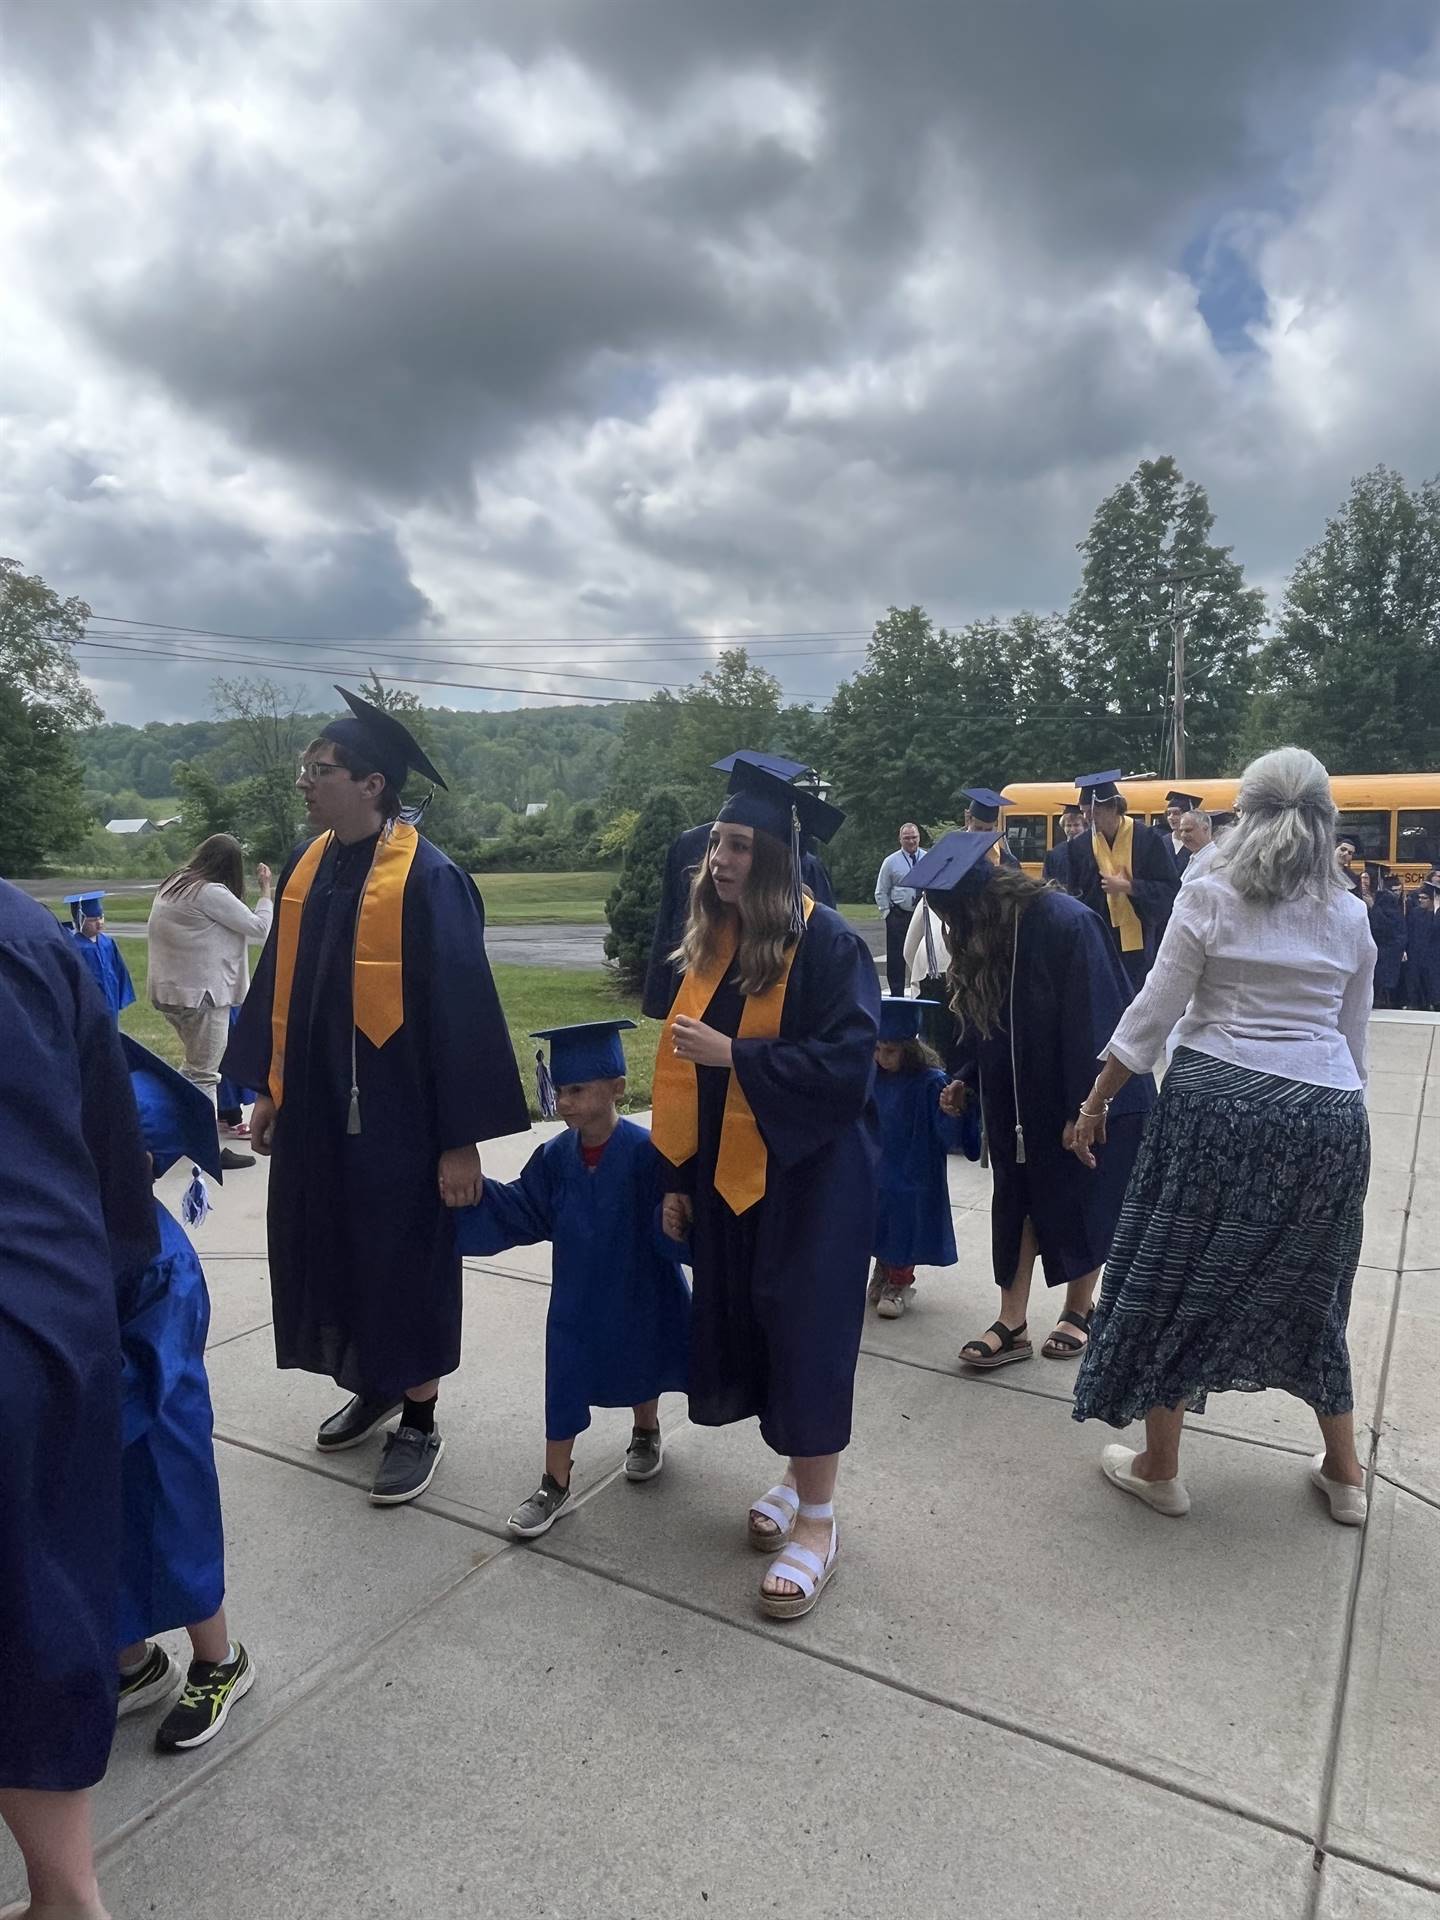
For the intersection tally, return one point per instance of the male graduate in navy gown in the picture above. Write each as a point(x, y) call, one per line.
point(375, 1037)
point(982, 815)
point(1072, 824)
point(98, 950)
point(685, 853)
point(1125, 871)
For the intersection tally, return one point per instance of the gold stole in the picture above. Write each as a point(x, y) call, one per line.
point(1117, 859)
point(675, 1122)
point(378, 987)
point(993, 856)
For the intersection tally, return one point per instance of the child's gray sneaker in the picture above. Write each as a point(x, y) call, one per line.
point(540, 1512)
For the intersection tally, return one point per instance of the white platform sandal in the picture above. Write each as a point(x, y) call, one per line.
point(802, 1569)
point(779, 1506)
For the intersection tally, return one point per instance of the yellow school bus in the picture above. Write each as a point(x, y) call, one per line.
point(1396, 815)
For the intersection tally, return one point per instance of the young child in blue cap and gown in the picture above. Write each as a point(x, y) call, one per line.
point(617, 1333)
point(172, 1562)
point(913, 1224)
point(1038, 987)
point(98, 950)
point(79, 1226)
point(375, 1038)
point(686, 851)
point(764, 1108)
point(1124, 871)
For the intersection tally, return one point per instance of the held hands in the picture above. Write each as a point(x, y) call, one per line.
point(1120, 882)
point(461, 1181)
point(695, 1041)
point(262, 1124)
point(955, 1098)
point(676, 1214)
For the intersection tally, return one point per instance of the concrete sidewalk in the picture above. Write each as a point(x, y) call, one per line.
point(1023, 1695)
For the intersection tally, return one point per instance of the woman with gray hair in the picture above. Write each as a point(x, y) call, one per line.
point(1237, 1245)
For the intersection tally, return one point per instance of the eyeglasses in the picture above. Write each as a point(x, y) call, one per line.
point(313, 770)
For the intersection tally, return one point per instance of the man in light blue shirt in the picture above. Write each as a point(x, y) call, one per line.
point(895, 898)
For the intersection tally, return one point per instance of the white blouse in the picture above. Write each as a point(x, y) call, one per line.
point(199, 946)
point(1282, 988)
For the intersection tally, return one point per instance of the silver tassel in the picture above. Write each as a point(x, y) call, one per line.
point(1019, 1145)
point(352, 1125)
point(797, 876)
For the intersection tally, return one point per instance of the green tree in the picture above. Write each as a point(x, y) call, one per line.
point(205, 806)
point(1353, 670)
point(43, 811)
point(37, 633)
point(634, 900)
point(1154, 526)
point(672, 740)
point(269, 734)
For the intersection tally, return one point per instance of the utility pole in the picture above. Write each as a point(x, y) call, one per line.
point(1176, 579)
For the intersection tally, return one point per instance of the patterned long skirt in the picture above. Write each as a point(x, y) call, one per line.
point(1236, 1249)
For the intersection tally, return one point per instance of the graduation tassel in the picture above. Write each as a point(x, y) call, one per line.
point(797, 876)
point(196, 1202)
point(544, 1086)
point(352, 1124)
point(1019, 1145)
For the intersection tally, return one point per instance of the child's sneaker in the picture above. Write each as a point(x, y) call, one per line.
point(154, 1680)
point(211, 1688)
point(645, 1456)
point(540, 1512)
point(877, 1284)
point(893, 1302)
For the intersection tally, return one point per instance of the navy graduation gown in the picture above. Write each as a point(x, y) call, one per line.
point(684, 855)
point(78, 1224)
point(1156, 883)
point(913, 1223)
point(172, 1560)
point(106, 962)
point(1387, 927)
point(364, 1271)
point(1422, 966)
point(779, 1299)
point(1070, 991)
point(618, 1329)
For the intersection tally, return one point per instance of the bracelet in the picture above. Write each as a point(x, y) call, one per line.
point(1092, 1113)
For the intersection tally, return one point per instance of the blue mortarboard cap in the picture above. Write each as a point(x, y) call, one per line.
point(900, 1018)
point(85, 906)
point(1187, 802)
point(369, 730)
point(775, 763)
point(956, 864)
point(985, 803)
point(176, 1118)
point(591, 1050)
point(1099, 786)
point(758, 798)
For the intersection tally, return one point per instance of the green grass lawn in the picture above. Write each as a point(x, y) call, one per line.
point(545, 899)
point(530, 996)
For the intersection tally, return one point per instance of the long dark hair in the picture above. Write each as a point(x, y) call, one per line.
point(980, 931)
point(766, 935)
point(220, 859)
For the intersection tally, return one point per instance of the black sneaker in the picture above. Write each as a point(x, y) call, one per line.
point(211, 1689)
point(407, 1466)
point(645, 1456)
point(540, 1512)
point(230, 1160)
point(155, 1681)
point(355, 1421)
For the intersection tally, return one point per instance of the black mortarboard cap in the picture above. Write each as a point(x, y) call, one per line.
point(1099, 786)
point(758, 798)
point(775, 763)
point(957, 864)
point(1187, 802)
point(985, 803)
point(381, 738)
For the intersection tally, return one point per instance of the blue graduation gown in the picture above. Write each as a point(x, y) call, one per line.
point(364, 1271)
point(1387, 927)
point(1156, 880)
point(107, 964)
point(913, 1224)
point(779, 1300)
point(618, 1329)
point(230, 1096)
point(1070, 991)
point(172, 1559)
point(685, 853)
point(78, 1222)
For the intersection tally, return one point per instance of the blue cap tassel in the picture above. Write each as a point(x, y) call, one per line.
point(196, 1203)
point(544, 1086)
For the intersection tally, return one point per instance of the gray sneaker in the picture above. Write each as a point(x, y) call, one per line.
point(406, 1467)
point(877, 1283)
point(645, 1456)
point(540, 1512)
point(892, 1302)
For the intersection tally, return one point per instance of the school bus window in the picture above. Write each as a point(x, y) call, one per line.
point(1374, 831)
point(1025, 837)
point(1417, 835)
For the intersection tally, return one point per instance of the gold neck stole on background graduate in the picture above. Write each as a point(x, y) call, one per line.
point(1118, 859)
point(378, 988)
point(675, 1121)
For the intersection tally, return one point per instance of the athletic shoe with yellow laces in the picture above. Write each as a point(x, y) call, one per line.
point(211, 1688)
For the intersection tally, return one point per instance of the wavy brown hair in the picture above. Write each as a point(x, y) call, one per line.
point(766, 935)
point(219, 859)
point(980, 930)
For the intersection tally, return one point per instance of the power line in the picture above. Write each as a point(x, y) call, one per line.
point(494, 640)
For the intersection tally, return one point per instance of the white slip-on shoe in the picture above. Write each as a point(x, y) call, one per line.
point(1348, 1505)
point(1165, 1496)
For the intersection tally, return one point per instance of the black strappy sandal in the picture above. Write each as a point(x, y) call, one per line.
point(1064, 1346)
point(1014, 1345)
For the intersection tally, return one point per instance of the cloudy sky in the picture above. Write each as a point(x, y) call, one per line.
point(477, 320)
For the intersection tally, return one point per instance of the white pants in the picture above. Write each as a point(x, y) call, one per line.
point(203, 1033)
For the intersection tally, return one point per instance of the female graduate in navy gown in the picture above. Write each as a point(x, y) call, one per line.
point(764, 1109)
point(99, 951)
point(913, 1224)
point(75, 1202)
point(618, 1330)
point(1038, 987)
